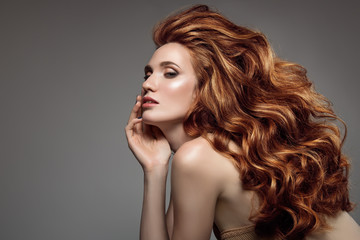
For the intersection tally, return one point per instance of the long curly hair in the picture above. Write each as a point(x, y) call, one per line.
point(290, 144)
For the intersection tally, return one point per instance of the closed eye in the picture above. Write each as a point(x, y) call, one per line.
point(171, 74)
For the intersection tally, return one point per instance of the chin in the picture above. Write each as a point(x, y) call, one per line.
point(158, 120)
point(149, 118)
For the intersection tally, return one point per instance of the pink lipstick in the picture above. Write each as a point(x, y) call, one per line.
point(148, 102)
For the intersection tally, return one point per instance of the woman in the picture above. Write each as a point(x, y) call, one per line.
point(256, 155)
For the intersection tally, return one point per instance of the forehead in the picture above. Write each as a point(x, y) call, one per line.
point(173, 52)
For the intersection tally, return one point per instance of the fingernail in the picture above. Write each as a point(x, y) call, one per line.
point(139, 117)
point(137, 97)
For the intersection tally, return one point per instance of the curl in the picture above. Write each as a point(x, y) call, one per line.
point(290, 148)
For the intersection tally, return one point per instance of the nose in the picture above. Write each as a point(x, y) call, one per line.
point(149, 84)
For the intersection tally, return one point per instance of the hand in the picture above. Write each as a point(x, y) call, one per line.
point(147, 142)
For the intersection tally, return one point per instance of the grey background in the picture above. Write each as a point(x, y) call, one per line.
point(70, 71)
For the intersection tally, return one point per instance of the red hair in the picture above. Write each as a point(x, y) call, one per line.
point(290, 148)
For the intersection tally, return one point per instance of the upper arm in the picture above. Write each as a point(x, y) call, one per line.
point(195, 188)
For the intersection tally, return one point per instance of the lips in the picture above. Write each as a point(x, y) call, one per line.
point(148, 102)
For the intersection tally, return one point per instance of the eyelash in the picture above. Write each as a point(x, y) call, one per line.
point(171, 74)
point(167, 74)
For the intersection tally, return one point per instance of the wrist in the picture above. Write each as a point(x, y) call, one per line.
point(158, 172)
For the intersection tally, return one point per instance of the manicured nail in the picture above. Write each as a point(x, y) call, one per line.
point(139, 117)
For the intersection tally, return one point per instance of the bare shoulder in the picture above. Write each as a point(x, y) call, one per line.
point(343, 226)
point(193, 150)
point(198, 153)
point(195, 187)
point(198, 158)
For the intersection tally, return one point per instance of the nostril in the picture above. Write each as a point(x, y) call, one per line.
point(148, 86)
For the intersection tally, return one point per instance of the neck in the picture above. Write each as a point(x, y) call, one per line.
point(175, 135)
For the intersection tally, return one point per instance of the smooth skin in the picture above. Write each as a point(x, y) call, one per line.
point(205, 185)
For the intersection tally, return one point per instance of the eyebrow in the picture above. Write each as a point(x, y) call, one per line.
point(148, 68)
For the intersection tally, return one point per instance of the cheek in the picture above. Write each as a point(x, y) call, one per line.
point(177, 85)
point(181, 89)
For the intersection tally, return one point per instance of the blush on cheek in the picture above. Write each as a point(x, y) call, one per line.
point(177, 85)
point(181, 86)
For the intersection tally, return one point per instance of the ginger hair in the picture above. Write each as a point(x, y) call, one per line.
point(290, 145)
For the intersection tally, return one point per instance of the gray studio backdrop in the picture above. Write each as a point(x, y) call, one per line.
point(70, 71)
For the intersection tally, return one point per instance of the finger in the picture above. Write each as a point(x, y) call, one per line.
point(136, 110)
point(139, 113)
point(133, 127)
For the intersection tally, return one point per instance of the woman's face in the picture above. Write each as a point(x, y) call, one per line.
point(169, 88)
